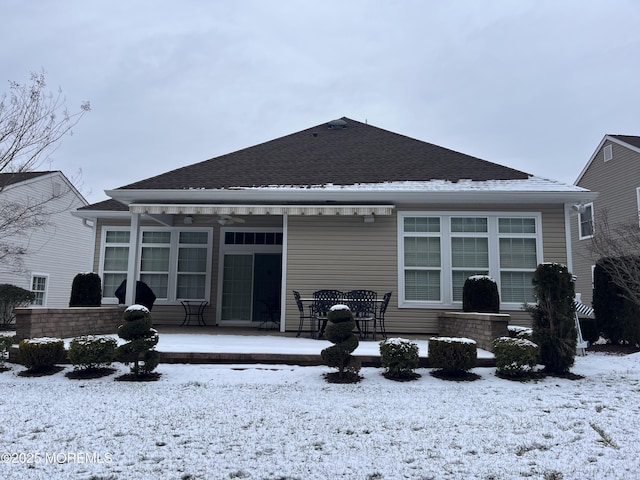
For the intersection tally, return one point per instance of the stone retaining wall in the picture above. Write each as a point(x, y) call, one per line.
point(484, 328)
point(66, 322)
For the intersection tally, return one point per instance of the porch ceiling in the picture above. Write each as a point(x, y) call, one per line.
point(225, 209)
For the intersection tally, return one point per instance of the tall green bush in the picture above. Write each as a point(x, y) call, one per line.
point(86, 290)
point(340, 333)
point(480, 294)
point(554, 328)
point(12, 296)
point(141, 341)
point(617, 318)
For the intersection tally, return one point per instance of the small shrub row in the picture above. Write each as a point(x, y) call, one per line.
point(92, 352)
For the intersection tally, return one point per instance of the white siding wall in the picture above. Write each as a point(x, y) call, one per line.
point(60, 250)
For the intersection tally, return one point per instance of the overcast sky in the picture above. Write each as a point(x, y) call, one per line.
point(534, 85)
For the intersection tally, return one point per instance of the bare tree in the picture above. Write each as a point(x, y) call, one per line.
point(32, 124)
point(619, 241)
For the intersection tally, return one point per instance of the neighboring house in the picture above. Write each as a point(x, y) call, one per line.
point(342, 205)
point(55, 252)
point(614, 172)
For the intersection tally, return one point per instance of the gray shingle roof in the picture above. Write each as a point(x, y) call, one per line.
point(357, 153)
point(11, 178)
point(630, 139)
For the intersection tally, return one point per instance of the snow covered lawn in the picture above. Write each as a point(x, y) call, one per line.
point(282, 422)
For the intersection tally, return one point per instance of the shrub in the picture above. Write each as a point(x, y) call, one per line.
point(11, 297)
point(589, 330)
point(516, 331)
point(452, 355)
point(90, 352)
point(480, 294)
point(617, 318)
point(6, 341)
point(515, 356)
point(340, 333)
point(41, 354)
point(399, 357)
point(142, 339)
point(554, 328)
point(86, 290)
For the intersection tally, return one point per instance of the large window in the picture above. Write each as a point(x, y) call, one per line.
point(176, 264)
point(439, 251)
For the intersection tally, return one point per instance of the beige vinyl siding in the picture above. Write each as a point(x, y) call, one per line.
point(616, 181)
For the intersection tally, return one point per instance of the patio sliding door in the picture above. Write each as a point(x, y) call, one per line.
point(251, 288)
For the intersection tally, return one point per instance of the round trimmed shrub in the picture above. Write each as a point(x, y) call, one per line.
point(399, 357)
point(91, 352)
point(452, 355)
point(480, 294)
point(41, 354)
point(515, 356)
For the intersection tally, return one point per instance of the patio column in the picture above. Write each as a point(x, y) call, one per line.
point(132, 266)
point(283, 283)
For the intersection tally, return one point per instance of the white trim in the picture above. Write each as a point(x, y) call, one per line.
point(283, 286)
point(445, 234)
point(638, 204)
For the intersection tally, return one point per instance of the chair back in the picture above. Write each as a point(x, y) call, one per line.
point(362, 302)
point(323, 300)
point(385, 303)
point(296, 295)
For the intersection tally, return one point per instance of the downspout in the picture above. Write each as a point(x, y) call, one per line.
point(567, 234)
point(283, 284)
point(132, 266)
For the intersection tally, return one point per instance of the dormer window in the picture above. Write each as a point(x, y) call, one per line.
point(608, 153)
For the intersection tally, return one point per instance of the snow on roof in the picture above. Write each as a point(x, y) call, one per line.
point(533, 183)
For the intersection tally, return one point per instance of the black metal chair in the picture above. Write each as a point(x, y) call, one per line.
point(193, 309)
point(363, 306)
point(380, 316)
point(323, 300)
point(303, 317)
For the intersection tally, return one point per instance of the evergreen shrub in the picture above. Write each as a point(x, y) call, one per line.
point(515, 356)
point(516, 331)
point(92, 352)
point(86, 290)
point(12, 296)
point(339, 331)
point(452, 355)
point(399, 357)
point(480, 294)
point(6, 341)
point(141, 341)
point(41, 354)
point(554, 328)
point(617, 318)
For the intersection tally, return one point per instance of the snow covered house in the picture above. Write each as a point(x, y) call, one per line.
point(55, 247)
point(341, 205)
point(614, 172)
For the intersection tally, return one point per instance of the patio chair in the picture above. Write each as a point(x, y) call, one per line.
point(380, 316)
point(323, 300)
point(303, 317)
point(363, 306)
